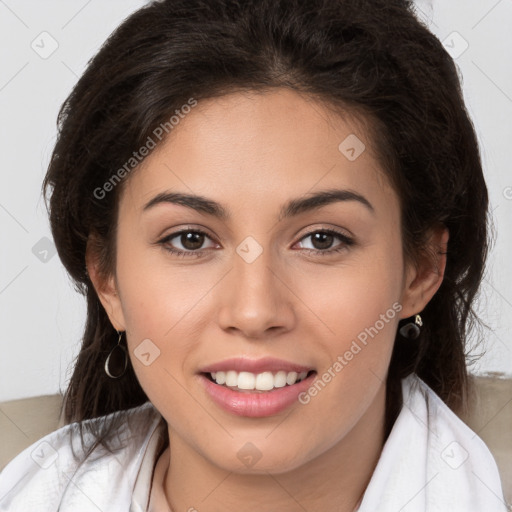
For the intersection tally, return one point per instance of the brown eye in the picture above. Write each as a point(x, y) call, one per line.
point(322, 242)
point(190, 240)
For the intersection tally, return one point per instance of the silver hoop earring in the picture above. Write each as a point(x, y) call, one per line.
point(119, 361)
point(412, 330)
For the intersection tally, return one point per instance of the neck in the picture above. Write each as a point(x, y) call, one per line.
point(335, 480)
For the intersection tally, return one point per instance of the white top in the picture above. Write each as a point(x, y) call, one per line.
point(431, 462)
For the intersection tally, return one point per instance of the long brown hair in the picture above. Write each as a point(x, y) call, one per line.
point(372, 58)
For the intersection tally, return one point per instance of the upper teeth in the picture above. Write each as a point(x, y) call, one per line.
point(262, 381)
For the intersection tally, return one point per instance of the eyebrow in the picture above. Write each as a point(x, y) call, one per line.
point(293, 208)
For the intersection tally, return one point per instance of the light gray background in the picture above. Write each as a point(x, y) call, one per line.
point(41, 314)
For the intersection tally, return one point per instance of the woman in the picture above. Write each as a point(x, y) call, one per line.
point(278, 208)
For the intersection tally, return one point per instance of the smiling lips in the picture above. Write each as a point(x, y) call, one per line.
point(255, 388)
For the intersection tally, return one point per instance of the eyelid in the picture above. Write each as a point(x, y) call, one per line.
point(186, 229)
point(310, 230)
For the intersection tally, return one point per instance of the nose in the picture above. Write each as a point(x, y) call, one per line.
point(255, 298)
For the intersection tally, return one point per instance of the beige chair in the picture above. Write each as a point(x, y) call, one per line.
point(22, 422)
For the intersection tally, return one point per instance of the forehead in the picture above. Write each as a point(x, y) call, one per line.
point(260, 146)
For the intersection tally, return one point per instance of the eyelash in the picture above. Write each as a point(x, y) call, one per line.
point(347, 242)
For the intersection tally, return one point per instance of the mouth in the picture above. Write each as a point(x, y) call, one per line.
point(248, 382)
point(255, 388)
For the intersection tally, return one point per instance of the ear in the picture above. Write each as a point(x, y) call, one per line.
point(105, 286)
point(424, 278)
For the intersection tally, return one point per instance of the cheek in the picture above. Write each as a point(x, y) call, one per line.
point(162, 311)
point(357, 313)
point(167, 310)
point(353, 298)
point(157, 296)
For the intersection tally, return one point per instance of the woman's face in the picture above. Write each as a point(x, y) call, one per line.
point(277, 283)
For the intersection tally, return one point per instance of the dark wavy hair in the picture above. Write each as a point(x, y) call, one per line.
point(374, 59)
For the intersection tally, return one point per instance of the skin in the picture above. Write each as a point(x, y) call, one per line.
point(252, 153)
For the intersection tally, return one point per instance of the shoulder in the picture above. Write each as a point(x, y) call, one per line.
point(432, 461)
point(55, 473)
point(458, 461)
